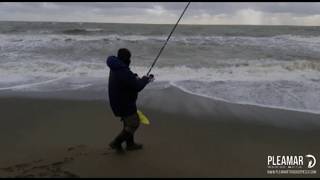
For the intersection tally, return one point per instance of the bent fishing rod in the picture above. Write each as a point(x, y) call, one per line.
point(165, 44)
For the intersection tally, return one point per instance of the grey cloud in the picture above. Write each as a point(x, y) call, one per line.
point(75, 11)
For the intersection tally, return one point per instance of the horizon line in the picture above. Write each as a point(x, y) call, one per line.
point(188, 24)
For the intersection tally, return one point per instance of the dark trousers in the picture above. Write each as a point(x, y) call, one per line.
point(130, 125)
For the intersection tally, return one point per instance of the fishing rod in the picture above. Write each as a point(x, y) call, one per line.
point(164, 45)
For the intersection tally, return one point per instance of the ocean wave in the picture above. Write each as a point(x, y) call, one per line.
point(252, 71)
point(286, 42)
point(302, 101)
point(203, 40)
point(82, 31)
point(27, 85)
point(240, 69)
point(268, 82)
point(175, 38)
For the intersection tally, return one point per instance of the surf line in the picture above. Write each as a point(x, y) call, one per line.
point(165, 44)
point(32, 84)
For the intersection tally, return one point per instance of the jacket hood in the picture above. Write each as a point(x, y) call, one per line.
point(114, 63)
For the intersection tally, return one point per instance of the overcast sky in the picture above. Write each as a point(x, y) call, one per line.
point(271, 13)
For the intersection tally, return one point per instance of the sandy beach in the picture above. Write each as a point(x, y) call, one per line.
point(189, 136)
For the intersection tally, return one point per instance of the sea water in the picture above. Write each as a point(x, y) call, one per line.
point(274, 66)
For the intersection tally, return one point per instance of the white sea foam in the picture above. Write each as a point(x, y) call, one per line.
point(260, 70)
point(301, 97)
point(281, 84)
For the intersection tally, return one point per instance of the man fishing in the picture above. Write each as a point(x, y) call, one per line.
point(124, 87)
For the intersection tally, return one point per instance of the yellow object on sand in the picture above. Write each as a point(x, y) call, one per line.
point(143, 118)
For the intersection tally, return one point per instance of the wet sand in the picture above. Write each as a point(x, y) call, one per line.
point(68, 138)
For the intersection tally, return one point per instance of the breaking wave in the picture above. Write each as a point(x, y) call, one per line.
point(292, 85)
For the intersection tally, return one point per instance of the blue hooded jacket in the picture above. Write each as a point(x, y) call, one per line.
point(123, 86)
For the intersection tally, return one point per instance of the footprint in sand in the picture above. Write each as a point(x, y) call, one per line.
point(79, 150)
point(53, 169)
point(45, 168)
point(17, 167)
point(29, 170)
point(42, 168)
